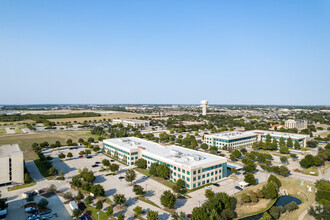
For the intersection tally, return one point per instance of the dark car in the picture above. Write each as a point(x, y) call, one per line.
point(95, 165)
point(112, 160)
point(80, 156)
point(71, 148)
point(97, 162)
point(121, 177)
point(239, 188)
point(216, 184)
point(45, 212)
point(189, 216)
point(89, 157)
point(136, 185)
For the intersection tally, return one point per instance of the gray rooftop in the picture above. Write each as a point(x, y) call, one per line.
point(8, 149)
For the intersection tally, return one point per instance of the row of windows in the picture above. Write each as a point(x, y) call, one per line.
point(117, 149)
point(210, 168)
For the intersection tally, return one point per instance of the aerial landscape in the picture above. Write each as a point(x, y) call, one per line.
point(201, 110)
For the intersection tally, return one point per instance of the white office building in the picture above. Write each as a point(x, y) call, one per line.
point(238, 139)
point(132, 122)
point(194, 167)
point(300, 124)
point(12, 164)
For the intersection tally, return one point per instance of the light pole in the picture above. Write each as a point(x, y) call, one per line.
point(98, 215)
point(199, 203)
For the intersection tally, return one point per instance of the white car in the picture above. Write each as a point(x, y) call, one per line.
point(208, 187)
point(144, 177)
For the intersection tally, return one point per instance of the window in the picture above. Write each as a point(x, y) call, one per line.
point(211, 173)
point(194, 179)
point(179, 169)
point(203, 176)
point(199, 171)
point(194, 185)
point(179, 175)
point(174, 173)
point(199, 183)
point(194, 172)
point(187, 185)
point(174, 168)
point(216, 172)
point(203, 182)
point(188, 172)
point(199, 177)
point(188, 179)
point(183, 177)
point(132, 158)
point(183, 171)
point(208, 175)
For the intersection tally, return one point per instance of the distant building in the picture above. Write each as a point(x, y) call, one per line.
point(133, 122)
point(234, 140)
point(300, 124)
point(12, 164)
point(194, 167)
point(277, 126)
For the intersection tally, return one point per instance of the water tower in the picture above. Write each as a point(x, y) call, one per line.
point(204, 104)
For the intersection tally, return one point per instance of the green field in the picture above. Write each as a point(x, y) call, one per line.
point(26, 140)
point(325, 134)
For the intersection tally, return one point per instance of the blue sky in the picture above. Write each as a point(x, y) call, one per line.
point(160, 52)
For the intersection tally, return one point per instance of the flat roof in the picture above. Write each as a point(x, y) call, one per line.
point(8, 149)
point(172, 153)
point(237, 134)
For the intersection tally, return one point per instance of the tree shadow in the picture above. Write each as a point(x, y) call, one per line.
point(180, 203)
point(149, 193)
point(110, 192)
point(131, 201)
point(164, 216)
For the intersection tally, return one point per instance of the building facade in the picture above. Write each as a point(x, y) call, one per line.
point(194, 167)
point(234, 140)
point(132, 122)
point(12, 164)
point(300, 124)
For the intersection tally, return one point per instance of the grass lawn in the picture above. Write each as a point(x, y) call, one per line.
point(144, 199)
point(163, 181)
point(311, 169)
point(103, 116)
point(21, 186)
point(325, 167)
point(94, 211)
point(43, 169)
point(17, 122)
point(18, 131)
point(25, 141)
point(3, 131)
point(325, 134)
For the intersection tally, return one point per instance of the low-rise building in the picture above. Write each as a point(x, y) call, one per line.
point(194, 167)
point(300, 124)
point(12, 165)
point(238, 139)
point(132, 122)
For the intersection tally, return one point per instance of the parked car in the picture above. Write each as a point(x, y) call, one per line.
point(135, 185)
point(80, 156)
point(88, 157)
point(71, 148)
point(112, 160)
point(144, 177)
point(121, 177)
point(208, 187)
point(95, 165)
point(189, 216)
point(97, 162)
point(216, 184)
point(239, 188)
point(45, 212)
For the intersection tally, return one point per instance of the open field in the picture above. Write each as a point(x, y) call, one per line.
point(26, 140)
point(324, 134)
point(17, 122)
point(293, 187)
point(103, 116)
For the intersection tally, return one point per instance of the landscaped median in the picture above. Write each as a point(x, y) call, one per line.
point(21, 186)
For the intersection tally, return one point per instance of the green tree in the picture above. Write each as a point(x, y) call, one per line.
point(204, 146)
point(163, 170)
point(97, 190)
point(282, 142)
point(296, 145)
point(141, 163)
point(266, 216)
point(79, 196)
point(276, 181)
point(152, 215)
point(52, 171)
point(121, 216)
point(130, 175)
point(180, 183)
point(89, 200)
point(269, 191)
point(43, 203)
point(289, 142)
point(284, 150)
point(138, 210)
point(250, 179)
point(138, 190)
point(106, 162)
point(291, 206)
point(153, 169)
point(61, 156)
point(99, 205)
point(76, 213)
point(209, 194)
point(109, 211)
point(114, 167)
point(69, 155)
point(168, 199)
point(233, 170)
point(119, 199)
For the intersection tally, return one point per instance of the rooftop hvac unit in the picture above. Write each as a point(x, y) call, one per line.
point(194, 157)
point(175, 153)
